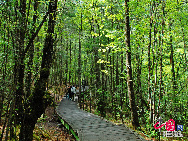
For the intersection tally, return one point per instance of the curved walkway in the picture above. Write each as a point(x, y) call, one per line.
point(91, 127)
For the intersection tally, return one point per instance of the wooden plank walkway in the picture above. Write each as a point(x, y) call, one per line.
point(90, 127)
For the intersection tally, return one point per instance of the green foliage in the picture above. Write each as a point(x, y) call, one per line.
point(103, 60)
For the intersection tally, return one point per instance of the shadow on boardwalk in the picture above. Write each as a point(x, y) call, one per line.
point(91, 127)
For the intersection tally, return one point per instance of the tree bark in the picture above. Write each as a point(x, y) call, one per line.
point(20, 64)
point(134, 114)
point(154, 62)
point(122, 87)
point(67, 70)
point(40, 100)
point(79, 65)
point(161, 59)
point(149, 67)
point(31, 53)
point(172, 60)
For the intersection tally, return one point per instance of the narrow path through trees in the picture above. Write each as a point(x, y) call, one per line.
point(91, 127)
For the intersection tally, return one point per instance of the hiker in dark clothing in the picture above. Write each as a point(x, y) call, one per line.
point(69, 91)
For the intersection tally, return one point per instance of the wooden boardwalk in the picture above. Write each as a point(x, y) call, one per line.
point(90, 127)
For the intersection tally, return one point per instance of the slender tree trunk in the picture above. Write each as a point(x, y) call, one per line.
point(161, 59)
point(113, 87)
point(21, 66)
point(10, 119)
point(103, 114)
point(149, 67)
point(31, 52)
point(134, 114)
point(5, 123)
point(122, 87)
point(185, 56)
point(172, 61)
point(154, 65)
point(111, 83)
point(102, 97)
point(79, 65)
point(117, 86)
point(66, 64)
point(4, 69)
point(70, 66)
point(75, 80)
point(61, 70)
point(139, 86)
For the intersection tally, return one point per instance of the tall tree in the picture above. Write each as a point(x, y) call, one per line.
point(149, 65)
point(79, 62)
point(19, 65)
point(134, 114)
point(38, 103)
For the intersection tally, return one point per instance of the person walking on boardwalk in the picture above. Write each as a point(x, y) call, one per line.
point(73, 91)
point(69, 92)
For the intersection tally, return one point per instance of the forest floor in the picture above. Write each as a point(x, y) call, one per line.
point(49, 128)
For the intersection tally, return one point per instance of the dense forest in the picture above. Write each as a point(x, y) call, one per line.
point(131, 53)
